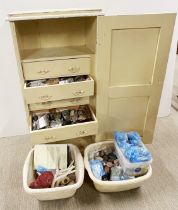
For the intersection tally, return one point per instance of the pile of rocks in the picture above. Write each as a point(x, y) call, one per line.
point(105, 166)
point(54, 81)
point(61, 117)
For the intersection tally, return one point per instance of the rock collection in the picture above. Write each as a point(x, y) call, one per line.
point(61, 117)
point(106, 167)
point(55, 81)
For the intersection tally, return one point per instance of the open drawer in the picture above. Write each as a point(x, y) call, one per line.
point(64, 132)
point(55, 92)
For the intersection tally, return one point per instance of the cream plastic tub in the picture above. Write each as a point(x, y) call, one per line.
point(112, 186)
point(57, 192)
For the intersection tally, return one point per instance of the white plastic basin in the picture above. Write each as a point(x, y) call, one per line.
point(112, 186)
point(57, 192)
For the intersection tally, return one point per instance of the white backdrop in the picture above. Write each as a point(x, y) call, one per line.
point(12, 115)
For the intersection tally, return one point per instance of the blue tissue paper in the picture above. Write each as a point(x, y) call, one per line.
point(134, 138)
point(121, 139)
point(41, 169)
point(132, 146)
point(97, 168)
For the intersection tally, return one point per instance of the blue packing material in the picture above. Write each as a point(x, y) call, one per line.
point(132, 146)
point(41, 169)
point(134, 138)
point(97, 168)
point(121, 138)
point(137, 154)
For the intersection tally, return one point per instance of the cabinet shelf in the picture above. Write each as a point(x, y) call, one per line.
point(54, 53)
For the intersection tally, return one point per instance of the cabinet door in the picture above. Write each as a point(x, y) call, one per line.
point(132, 54)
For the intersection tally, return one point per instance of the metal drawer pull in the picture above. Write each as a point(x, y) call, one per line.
point(45, 98)
point(81, 133)
point(47, 103)
point(74, 69)
point(79, 93)
point(43, 72)
point(75, 100)
point(49, 138)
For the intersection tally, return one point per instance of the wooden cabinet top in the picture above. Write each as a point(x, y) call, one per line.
point(48, 14)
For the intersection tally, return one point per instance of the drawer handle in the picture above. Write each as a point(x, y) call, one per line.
point(49, 138)
point(75, 100)
point(47, 103)
point(74, 69)
point(43, 72)
point(79, 93)
point(45, 98)
point(81, 133)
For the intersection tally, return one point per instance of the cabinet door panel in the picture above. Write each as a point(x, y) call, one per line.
point(134, 117)
point(132, 53)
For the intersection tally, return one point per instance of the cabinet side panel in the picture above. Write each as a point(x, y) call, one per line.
point(20, 71)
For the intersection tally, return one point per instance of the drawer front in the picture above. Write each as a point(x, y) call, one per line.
point(56, 68)
point(59, 92)
point(65, 132)
point(61, 103)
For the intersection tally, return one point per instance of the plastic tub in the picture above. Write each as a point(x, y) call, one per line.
point(132, 169)
point(57, 192)
point(112, 186)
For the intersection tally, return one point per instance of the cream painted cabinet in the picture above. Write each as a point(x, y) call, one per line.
point(132, 53)
point(125, 58)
